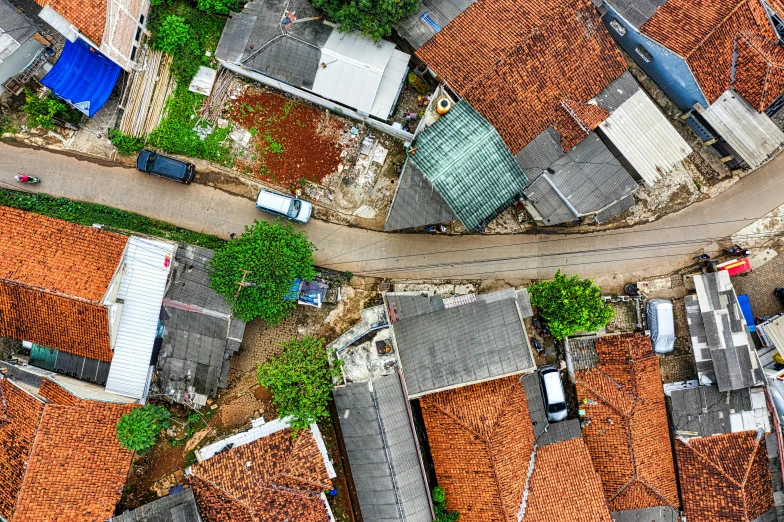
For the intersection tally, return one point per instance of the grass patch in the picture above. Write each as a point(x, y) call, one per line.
point(175, 133)
point(111, 218)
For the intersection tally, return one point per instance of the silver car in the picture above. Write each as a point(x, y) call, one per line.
point(283, 205)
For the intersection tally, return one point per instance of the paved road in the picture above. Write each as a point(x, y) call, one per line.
point(608, 257)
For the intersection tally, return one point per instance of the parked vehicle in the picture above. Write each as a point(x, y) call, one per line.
point(165, 167)
point(661, 324)
point(738, 251)
point(553, 393)
point(282, 205)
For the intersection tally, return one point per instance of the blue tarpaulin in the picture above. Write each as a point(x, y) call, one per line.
point(83, 77)
point(745, 308)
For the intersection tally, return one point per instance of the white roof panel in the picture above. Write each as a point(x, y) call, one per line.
point(391, 80)
point(645, 137)
point(354, 68)
point(752, 135)
point(143, 284)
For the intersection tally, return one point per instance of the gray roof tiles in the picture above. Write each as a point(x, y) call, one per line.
point(16, 25)
point(459, 346)
point(417, 31)
point(179, 507)
point(382, 451)
point(544, 432)
point(636, 12)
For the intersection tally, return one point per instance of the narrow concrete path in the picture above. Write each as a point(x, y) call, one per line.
point(608, 257)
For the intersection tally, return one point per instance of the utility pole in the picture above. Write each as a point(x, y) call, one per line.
point(243, 284)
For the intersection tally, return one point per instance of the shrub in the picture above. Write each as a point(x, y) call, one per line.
point(300, 380)
point(221, 7)
point(40, 111)
point(172, 34)
point(376, 19)
point(138, 429)
point(269, 256)
point(419, 85)
point(439, 507)
point(126, 145)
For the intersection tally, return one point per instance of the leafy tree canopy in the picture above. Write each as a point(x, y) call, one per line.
point(375, 18)
point(273, 255)
point(138, 429)
point(439, 507)
point(172, 34)
point(570, 304)
point(300, 380)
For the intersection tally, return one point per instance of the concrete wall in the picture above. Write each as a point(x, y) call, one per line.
point(670, 72)
point(122, 24)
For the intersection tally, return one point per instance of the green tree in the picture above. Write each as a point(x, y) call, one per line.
point(267, 258)
point(300, 380)
point(138, 429)
point(570, 304)
point(172, 34)
point(439, 507)
point(375, 18)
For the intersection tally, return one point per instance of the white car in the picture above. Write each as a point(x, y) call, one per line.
point(553, 393)
point(661, 323)
point(282, 205)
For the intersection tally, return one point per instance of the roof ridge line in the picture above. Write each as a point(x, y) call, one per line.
point(751, 461)
point(30, 454)
point(48, 291)
point(713, 465)
point(459, 421)
point(223, 491)
point(716, 28)
point(472, 147)
point(618, 386)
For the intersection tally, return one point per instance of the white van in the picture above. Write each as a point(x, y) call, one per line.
point(552, 389)
point(283, 205)
point(661, 324)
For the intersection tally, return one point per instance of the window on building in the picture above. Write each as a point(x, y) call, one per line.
point(138, 34)
point(141, 19)
point(620, 29)
point(644, 54)
point(133, 53)
point(429, 21)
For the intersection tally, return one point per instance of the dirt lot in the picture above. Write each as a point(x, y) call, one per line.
point(290, 141)
point(162, 467)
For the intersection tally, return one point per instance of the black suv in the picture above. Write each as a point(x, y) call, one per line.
point(165, 167)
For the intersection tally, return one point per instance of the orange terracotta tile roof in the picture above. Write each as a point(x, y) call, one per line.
point(564, 487)
point(724, 477)
point(89, 17)
point(53, 277)
point(707, 35)
point(481, 439)
point(18, 424)
point(274, 478)
point(518, 62)
point(56, 394)
point(628, 438)
point(67, 462)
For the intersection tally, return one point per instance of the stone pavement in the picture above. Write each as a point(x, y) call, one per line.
point(610, 257)
point(759, 285)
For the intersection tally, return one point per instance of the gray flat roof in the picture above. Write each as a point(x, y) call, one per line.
point(382, 451)
point(412, 305)
point(545, 432)
point(458, 346)
point(417, 202)
point(417, 30)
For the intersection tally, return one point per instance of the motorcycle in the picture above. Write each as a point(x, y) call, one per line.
point(738, 251)
point(21, 178)
point(537, 344)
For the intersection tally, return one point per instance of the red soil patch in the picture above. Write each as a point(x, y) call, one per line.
point(292, 141)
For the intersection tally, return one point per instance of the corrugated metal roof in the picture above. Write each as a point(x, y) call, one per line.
point(416, 203)
point(391, 83)
point(147, 266)
point(458, 346)
point(540, 153)
point(723, 349)
point(585, 180)
point(704, 411)
point(382, 451)
point(752, 135)
point(645, 138)
point(17, 26)
point(417, 30)
point(354, 67)
point(466, 160)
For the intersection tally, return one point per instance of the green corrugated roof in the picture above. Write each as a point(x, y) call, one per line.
point(465, 159)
